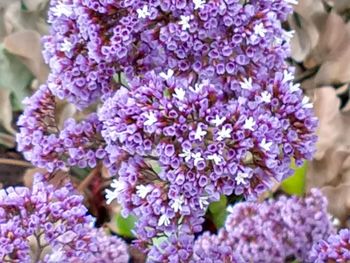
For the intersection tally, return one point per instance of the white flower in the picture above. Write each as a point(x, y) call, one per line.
point(266, 96)
point(66, 46)
point(143, 12)
point(260, 30)
point(119, 186)
point(179, 93)
point(292, 2)
point(167, 75)
point(110, 196)
point(218, 121)
point(288, 35)
point(249, 124)
point(142, 191)
point(185, 22)
point(216, 158)
point(287, 76)
point(265, 145)
point(240, 178)
point(177, 204)
point(230, 209)
point(199, 133)
point(203, 202)
point(62, 9)
point(151, 119)
point(247, 84)
point(187, 154)
point(164, 220)
point(224, 133)
point(306, 103)
point(198, 4)
point(294, 87)
point(197, 158)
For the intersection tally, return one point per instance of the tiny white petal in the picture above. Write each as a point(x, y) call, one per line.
point(249, 124)
point(177, 204)
point(240, 178)
point(265, 145)
point(224, 133)
point(168, 75)
point(143, 12)
point(203, 202)
point(218, 120)
point(260, 30)
point(197, 158)
point(187, 155)
point(199, 133)
point(66, 46)
point(185, 22)
point(143, 191)
point(110, 196)
point(62, 9)
point(164, 220)
point(266, 96)
point(292, 2)
point(294, 87)
point(287, 76)
point(179, 93)
point(247, 84)
point(151, 119)
point(198, 4)
point(306, 103)
point(216, 158)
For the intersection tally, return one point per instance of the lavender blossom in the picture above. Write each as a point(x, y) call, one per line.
point(272, 231)
point(90, 41)
point(335, 248)
point(42, 143)
point(48, 224)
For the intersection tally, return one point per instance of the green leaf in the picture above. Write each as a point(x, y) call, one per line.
point(217, 207)
point(220, 218)
point(125, 225)
point(15, 77)
point(295, 185)
point(218, 211)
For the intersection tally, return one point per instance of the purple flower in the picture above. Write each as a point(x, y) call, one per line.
point(335, 248)
point(268, 232)
point(55, 220)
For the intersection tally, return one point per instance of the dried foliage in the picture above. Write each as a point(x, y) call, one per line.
point(321, 53)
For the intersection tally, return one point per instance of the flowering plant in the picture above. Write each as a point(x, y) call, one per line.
point(194, 100)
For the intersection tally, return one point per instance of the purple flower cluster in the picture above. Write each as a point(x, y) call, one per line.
point(335, 248)
point(45, 224)
point(90, 41)
point(204, 143)
point(209, 108)
point(41, 141)
point(272, 231)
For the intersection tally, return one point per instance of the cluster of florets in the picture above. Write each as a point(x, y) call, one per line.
point(273, 231)
point(90, 41)
point(209, 109)
point(335, 248)
point(46, 146)
point(48, 224)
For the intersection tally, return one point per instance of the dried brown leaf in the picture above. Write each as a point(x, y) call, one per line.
point(6, 110)
point(305, 22)
point(338, 200)
point(326, 106)
point(26, 45)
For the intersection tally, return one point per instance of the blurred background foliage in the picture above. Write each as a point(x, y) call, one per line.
point(320, 52)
